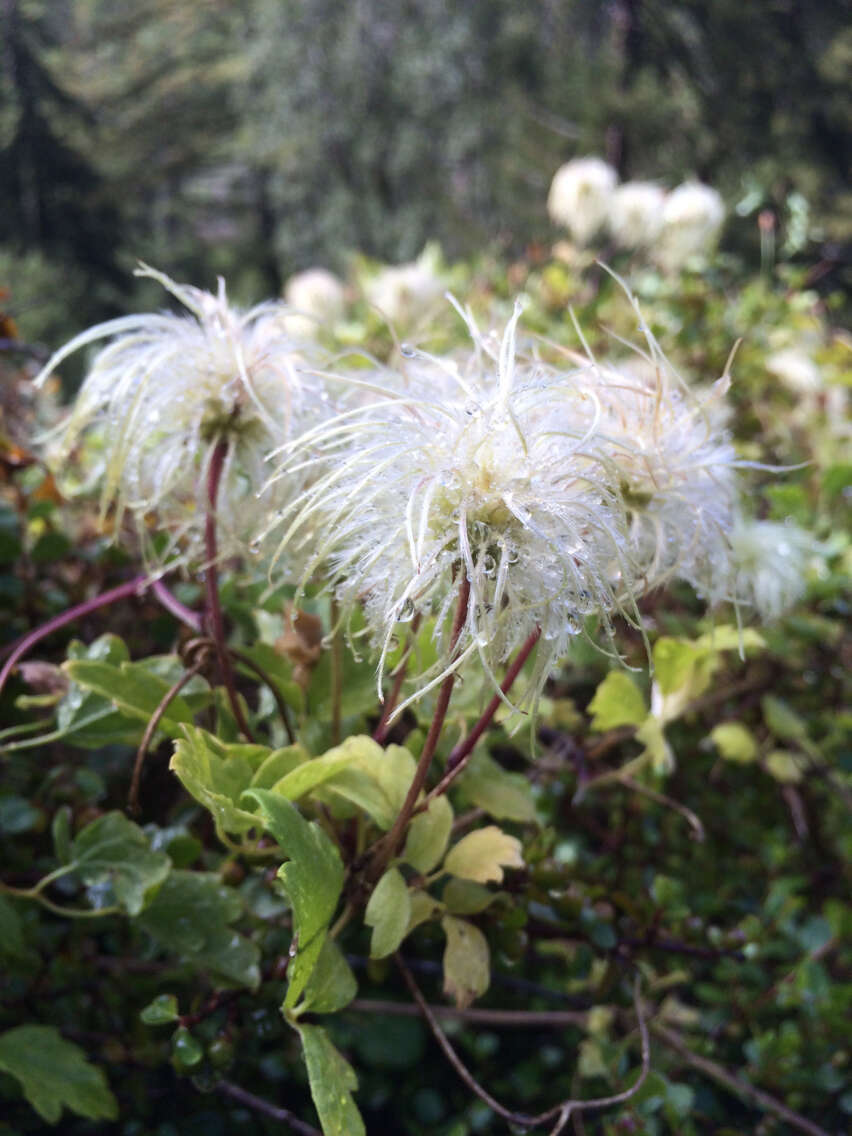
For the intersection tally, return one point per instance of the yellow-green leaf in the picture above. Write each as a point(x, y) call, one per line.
point(427, 836)
point(388, 913)
point(735, 742)
point(617, 702)
point(785, 767)
point(483, 854)
point(657, 749)
point(423, 908)
point(467, 961)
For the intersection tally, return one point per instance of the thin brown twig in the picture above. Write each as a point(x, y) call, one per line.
point(513, 1019)
point(692, 819)
point(153, 722)
point(265, 677)
point(460, 755)
point(739, 1088)
point(267, 1108)
point(387, 846)
point(561, 1112)
point(211, 579)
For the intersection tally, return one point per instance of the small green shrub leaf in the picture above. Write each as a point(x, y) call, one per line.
point(54, 1074)
point(428, 835)
point(332, 1080)
point(503, 795)
point(734, 742)
point(467, 962)
point(482, 855)
point(114, 850)
point(617, 702)
point(388, 913)
point(190, 916)
point(332, 984)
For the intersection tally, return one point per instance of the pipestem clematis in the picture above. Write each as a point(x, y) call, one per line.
point(165, 390)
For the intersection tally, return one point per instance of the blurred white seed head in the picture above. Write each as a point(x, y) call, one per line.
point(636, 214)
point(318, 299)
point(580, 196)
point(693, 215)
point(406, 292)
point(769, 565)
point(163, 391)
point(796, 370)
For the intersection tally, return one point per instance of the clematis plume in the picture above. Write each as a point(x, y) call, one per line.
point(555, 492)
point(164, 391)
point(580, 196)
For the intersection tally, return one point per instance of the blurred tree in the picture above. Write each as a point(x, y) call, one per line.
point(56, 205)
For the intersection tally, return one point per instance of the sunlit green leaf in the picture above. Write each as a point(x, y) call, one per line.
point(617, 702)
point(482, 855)
point(735, 742)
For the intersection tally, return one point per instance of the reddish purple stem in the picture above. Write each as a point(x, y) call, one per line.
point(133, 587)
point(211, 577)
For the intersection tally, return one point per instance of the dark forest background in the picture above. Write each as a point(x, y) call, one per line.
point(256, 137)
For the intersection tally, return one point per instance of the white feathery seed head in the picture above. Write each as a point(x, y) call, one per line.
point(636, 214)
point(165, 389)
point(557, 493)
point(796, 370)
point(318, 299)
point(769, 564)
point(693, 215)
point(405, 292)
point(580, 196)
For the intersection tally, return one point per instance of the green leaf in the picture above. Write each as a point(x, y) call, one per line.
point(482, 855)
point(12, 942)
point(388, 913)
point(785, 767)
point(467, 962)
point(314, 772)
point(133, 690)
point(376, 779)
point(54, 1073)
point(724, 637)
point(503, 795)
point(784, 722)
point(332, 1080)
point(112, 849)
point(161, 1011)
point(186, 1048)
point(617, 702)
point(464, 897)
point(427, 836)
point(674, 663)
point(190, 916)
point(217, 774)
point(735, 742)
point(423, 908)
point(332, 984)
point(312, 878)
